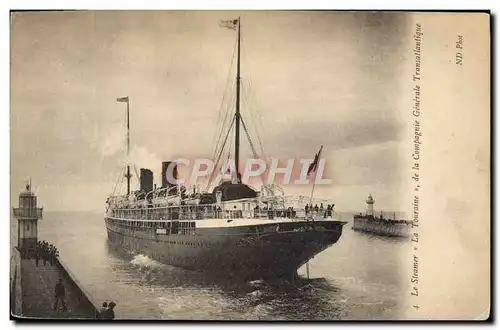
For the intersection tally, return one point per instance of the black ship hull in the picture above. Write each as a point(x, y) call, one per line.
point(256, 251)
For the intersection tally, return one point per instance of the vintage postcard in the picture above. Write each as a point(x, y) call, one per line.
point(250, 165)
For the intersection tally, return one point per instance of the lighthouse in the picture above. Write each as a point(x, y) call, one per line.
point(27, 215)
point(369, 205)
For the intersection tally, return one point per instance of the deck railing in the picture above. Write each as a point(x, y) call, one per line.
point(212, 212)
point(28, 213)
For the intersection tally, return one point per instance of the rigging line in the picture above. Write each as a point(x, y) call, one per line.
point(246, 130)
point(121, 179)
point(228, 116)
point(220, 154)
point(136, 175)
point(249, 97)
point(251, 111)
point(258, 114)
point(117, 180)
point(225, 93)
point(223, 125)
point(252, 97)
point(227, 85)
point(255, 121)
point(227, 120)
point(231, 140)
point(248, 137)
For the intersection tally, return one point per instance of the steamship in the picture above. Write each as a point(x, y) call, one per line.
point(231, 230)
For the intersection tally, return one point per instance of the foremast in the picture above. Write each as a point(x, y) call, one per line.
point(127, 175)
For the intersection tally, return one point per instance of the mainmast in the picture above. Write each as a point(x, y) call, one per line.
point(237, 114)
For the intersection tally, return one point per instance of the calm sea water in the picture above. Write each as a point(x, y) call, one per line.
point(359, 277)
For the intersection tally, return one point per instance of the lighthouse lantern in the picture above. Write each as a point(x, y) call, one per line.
point(369, 205)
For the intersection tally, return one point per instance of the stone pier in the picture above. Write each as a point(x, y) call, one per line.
point(36, 284)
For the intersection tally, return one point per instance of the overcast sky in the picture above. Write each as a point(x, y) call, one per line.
point(318, 78)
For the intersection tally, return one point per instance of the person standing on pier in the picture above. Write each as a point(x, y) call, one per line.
point(104, 308)
point(37, 253)
point(60, 294)
point(43, 252)
point(50, 253)
point(44, 256)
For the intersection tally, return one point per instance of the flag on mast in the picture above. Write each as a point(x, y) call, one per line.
point(122, 99)
point(231, 24)
point(314, 165)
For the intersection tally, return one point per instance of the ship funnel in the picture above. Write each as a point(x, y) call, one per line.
point(146, 180)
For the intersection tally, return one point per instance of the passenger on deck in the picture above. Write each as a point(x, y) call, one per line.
point(307, 208)
point(316, 208)
point(256, 211)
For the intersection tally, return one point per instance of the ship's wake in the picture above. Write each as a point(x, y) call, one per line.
point(254, 292)
point(144, 262)
point(275, 300)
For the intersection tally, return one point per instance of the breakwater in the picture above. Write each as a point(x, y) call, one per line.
point(32, 291)
point(382, 226)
